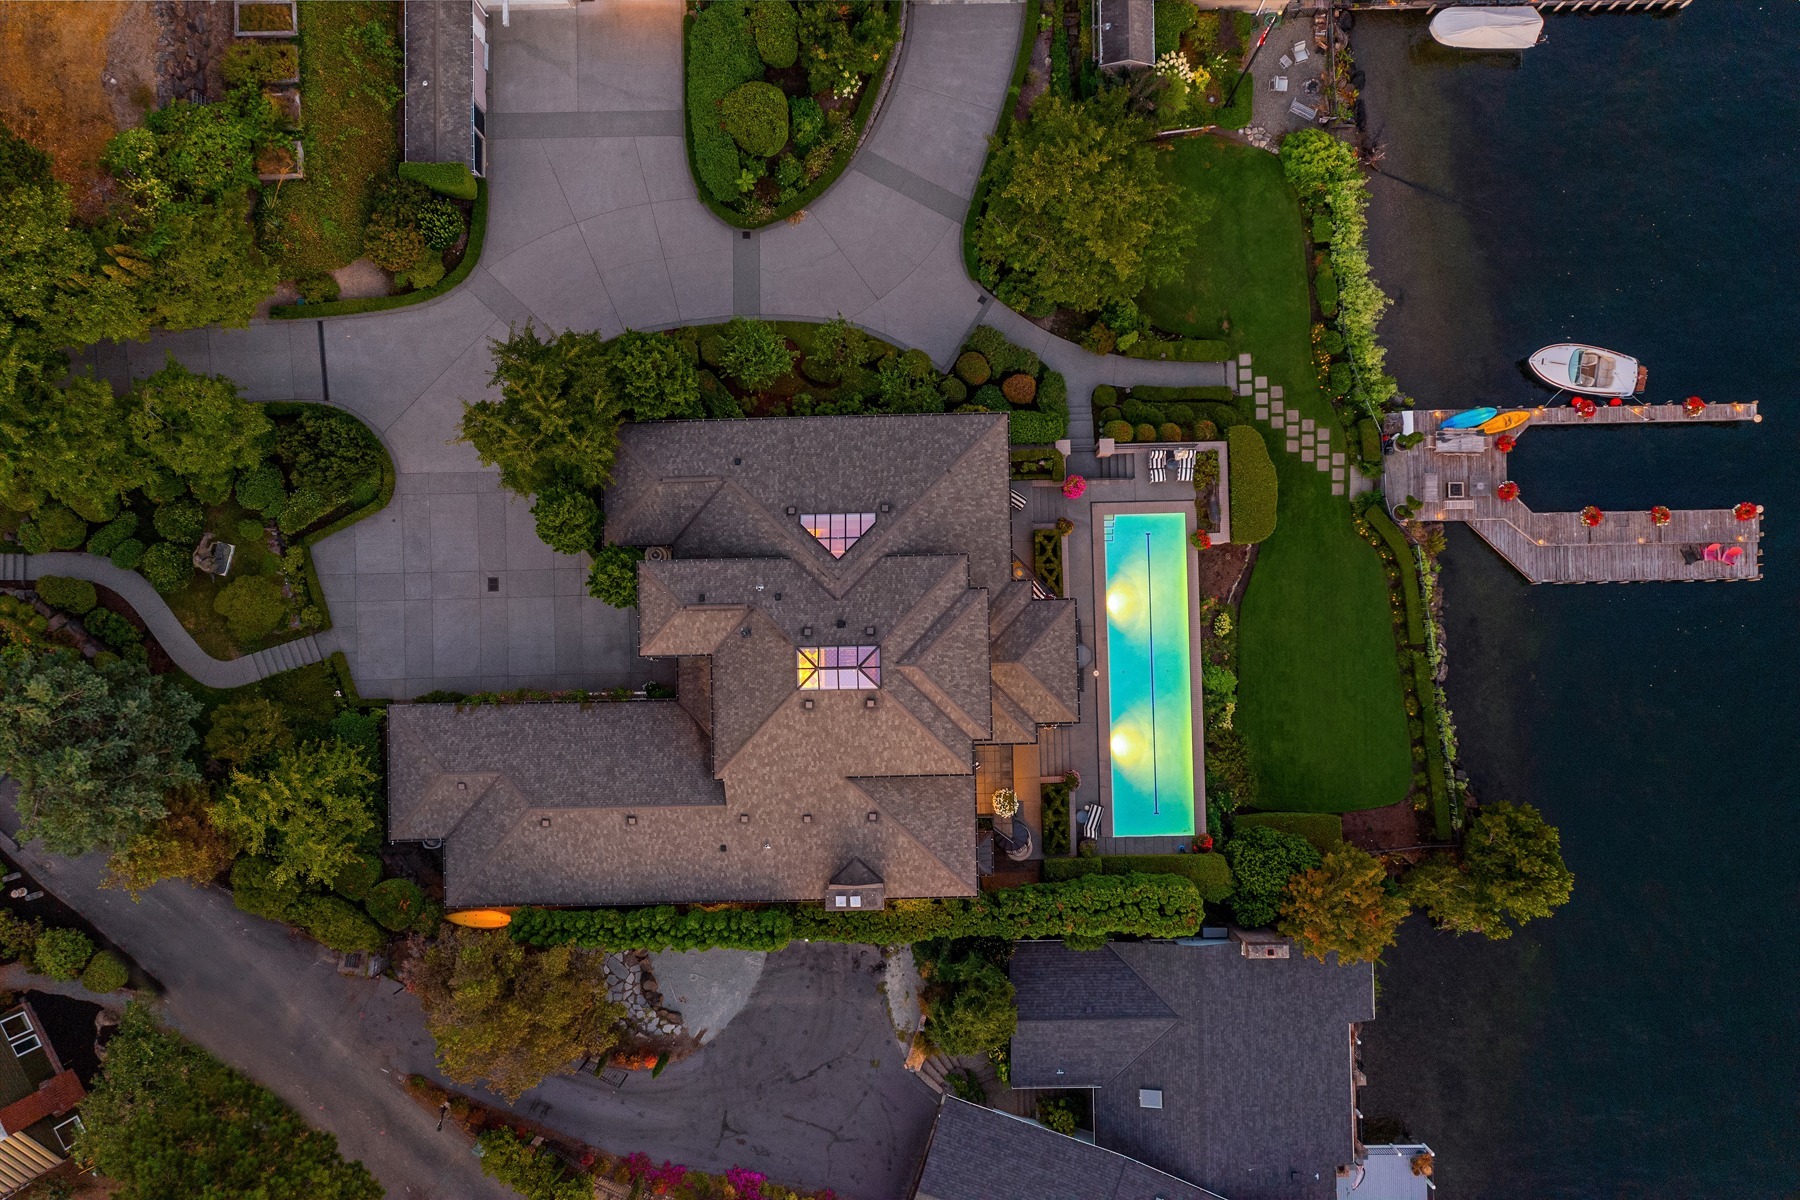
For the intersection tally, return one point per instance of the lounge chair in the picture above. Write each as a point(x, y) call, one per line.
point(1279, 83)
point(1018, 501)
point(1300, 54)
point(1184, 466)
point(1159, 470)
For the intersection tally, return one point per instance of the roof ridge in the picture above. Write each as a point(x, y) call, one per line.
point(875, 799)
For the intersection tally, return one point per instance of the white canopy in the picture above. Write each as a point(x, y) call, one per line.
point(1470, 28)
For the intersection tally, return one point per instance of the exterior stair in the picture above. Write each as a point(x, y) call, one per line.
point(12, 568)
point(286, 656)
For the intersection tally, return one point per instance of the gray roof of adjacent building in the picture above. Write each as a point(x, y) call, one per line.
point(440, 79)
point(979, 1153)
point(751, 788)
point(1127, 33)
point(1252, 1057)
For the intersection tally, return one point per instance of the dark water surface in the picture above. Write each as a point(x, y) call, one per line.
point(1632, 183)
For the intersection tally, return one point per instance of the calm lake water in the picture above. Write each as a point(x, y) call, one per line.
point(1632, 183)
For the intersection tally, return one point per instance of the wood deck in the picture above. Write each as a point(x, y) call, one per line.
point(1626, 547)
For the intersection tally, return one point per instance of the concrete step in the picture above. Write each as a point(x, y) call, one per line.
point(12, 568)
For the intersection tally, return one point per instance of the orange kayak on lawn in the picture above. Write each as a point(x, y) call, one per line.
point(1507, 421)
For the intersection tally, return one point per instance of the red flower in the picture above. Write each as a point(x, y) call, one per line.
point(1505, 443)
point(1592, 516)
point(1614, 402)
point(1584, 406)
point(1747, 511)
point(1507, 491)
point(1660, 515)
point(1205, 843)
point(1693, 406)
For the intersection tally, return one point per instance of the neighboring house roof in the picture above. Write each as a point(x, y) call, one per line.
point(440, 69)
point(978, 1153)
point(57, 1095)
point(1252, 1057)
point(1127, 33)
point(751, 787)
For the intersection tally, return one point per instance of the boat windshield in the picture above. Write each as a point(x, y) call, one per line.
point(1590, 369)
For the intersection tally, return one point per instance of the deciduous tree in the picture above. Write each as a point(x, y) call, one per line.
point(1342, 905)
point(310, 812)
point(94, 750)
point(1512, 871)
point(1262, 861)
point(1078, 215)
point(247, 730)
point(183, 845)
point(197, 427)
point(567, 522)
point(506, 1016)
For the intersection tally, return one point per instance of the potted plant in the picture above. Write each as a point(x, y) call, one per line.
point(1507, 490)
point(1747, 511)
point(1006, 804)
point(1693, 406)
point(1200, 540)
point(1505, 443)
point(1592, 516)
point(1660, 515)
point(1073, 487)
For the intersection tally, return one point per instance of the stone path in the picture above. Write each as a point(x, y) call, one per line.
point(594, 223)
point(164, 626)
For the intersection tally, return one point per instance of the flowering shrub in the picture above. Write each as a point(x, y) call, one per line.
point(1200, 540)
point(1174, 65)
point(1073, 487)
point(1505, 443)
point(1693, 406)
point(1747, 511)
point(1507, 491)
point(1660, 514)
point(1592, 516)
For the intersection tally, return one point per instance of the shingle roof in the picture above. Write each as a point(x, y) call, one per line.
point(1254, 1062)
point(440, 66)
point(1127, 33)
point(978, 1153)
point(793, 784)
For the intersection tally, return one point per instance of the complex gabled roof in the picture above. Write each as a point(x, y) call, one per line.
point(1252, 1057)
point(979, 1153)
point(762, 782)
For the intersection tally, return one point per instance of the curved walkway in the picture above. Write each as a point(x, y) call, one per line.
point(594, 224)
point(164, 626)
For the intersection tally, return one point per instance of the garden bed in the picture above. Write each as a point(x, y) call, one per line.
point(1047, 557)
point(778, 98)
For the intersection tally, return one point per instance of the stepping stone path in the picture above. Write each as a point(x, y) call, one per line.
point(629, 982)
point(1312, 442)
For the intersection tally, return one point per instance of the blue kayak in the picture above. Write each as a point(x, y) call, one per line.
point(1470, 418)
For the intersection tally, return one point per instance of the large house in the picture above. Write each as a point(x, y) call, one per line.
point(840, 597)
point(38, 1096)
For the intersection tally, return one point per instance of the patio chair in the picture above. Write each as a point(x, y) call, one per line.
point(1286, 61)
point(1159, 469)
point(1018, 501)
point(1715, 553)
point(1184, 466)
point(1300, 54)
point(1279, 83)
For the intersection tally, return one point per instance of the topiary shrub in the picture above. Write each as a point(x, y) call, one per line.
point(1019, 389)
point(70, 595)
point(1168, 431)
point(447, 179)
point(181, 522)
point(106, 972)
point(1118, 431)
point(755, 114)
point(252, 606)
point(108, 537)
point(127, 554)
point(989, 397)
point(972, 368)
point(1368, 440)
point(1027, 428)
point(1205, 431)
point(1331, 342)
point(1053, 393)
point(777, 32)
point(357, 876)
point(337, 923)
point(1106, 396)
point(260, 489)
point(1254, 485)
point(62, 953)
point(1108, 415)
point(1140, 413)
point(112, 629)
point(1181, 414)
point(1145, 432)
point(953, 390)
point(167, 566)
point(395, 904)
point(52, 527)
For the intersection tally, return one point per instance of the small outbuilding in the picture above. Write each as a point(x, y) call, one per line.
point(446, 82)
point(1124, 34)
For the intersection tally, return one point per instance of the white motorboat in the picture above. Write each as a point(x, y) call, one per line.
point(1572, 367)
point(1505, 28)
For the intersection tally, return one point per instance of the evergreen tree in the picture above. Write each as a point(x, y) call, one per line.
point(556, 423)
point(312, 811)
point(1511, 872)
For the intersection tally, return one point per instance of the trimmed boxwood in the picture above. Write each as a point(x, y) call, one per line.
point(127, 554)
point(1169, 431)
point(755, 114)
point(105, 972)
point(972, 368)
point(357, 876)
point(721, 54)
point(108, 537)
point(1118, 431)
point(1254, 485)
point(395, 903)
point(1019, 389)
point(1324, 830)
point(777, 32)
point(1027, 428)
point(1210, 873)
point(1144, 432)
point(70, 595)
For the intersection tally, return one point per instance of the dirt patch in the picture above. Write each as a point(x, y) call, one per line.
point(1393, 827)
point(1220, 570)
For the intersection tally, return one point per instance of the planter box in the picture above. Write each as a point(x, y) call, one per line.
point(275, 175)
point(260, 12)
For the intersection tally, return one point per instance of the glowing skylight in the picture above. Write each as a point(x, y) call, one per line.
point(839, 668)
point(837, 532)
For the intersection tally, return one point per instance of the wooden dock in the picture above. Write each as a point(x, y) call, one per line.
point(1548, 6)
point(1455, 476)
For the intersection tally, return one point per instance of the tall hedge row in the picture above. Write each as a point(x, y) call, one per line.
point(721, 54)
point(1087, 909)
point(1210, 873)
point(1254, 487)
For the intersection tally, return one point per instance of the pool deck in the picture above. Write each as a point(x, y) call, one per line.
point(1116, 484)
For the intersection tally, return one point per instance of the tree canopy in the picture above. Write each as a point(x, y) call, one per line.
point(653, 377)
point(311, 812)
point(506, 1016)
point(197, 427)
point(1262, 861)
point(1078, 216)
point(166, 1119)
point(94, 750)
point(1512, 871)
point(1342, 905)
point(556, 423)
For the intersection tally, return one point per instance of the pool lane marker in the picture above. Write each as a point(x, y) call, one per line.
point(1150, 623)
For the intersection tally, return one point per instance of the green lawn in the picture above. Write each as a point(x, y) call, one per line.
point(1320, 700)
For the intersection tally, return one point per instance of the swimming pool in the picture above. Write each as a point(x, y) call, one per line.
point(1149, 673)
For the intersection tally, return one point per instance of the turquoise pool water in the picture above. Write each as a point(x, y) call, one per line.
point(1149, 672)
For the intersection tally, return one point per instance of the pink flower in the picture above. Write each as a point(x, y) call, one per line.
point(747, 1183)
point(1073, 487)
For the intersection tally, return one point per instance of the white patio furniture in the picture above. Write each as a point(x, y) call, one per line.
point(1018, 501)
point(1279, 83)
point(1300, 54)
point(1286, 62)
point(1159, 466)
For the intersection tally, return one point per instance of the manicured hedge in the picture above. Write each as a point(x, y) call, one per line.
point(446, 179)
point(1254, 485)
point(1180, 350)
point(1028, 428)
point(1383, 524)
point(1210, 873)
point(70, 595)
point(721, 55)
point(1323, 830)
point(1169, 395)
point(755, 114)
point(1087, 910)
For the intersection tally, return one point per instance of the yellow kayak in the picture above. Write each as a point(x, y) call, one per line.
point(481, 918)
point(1507, 421)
